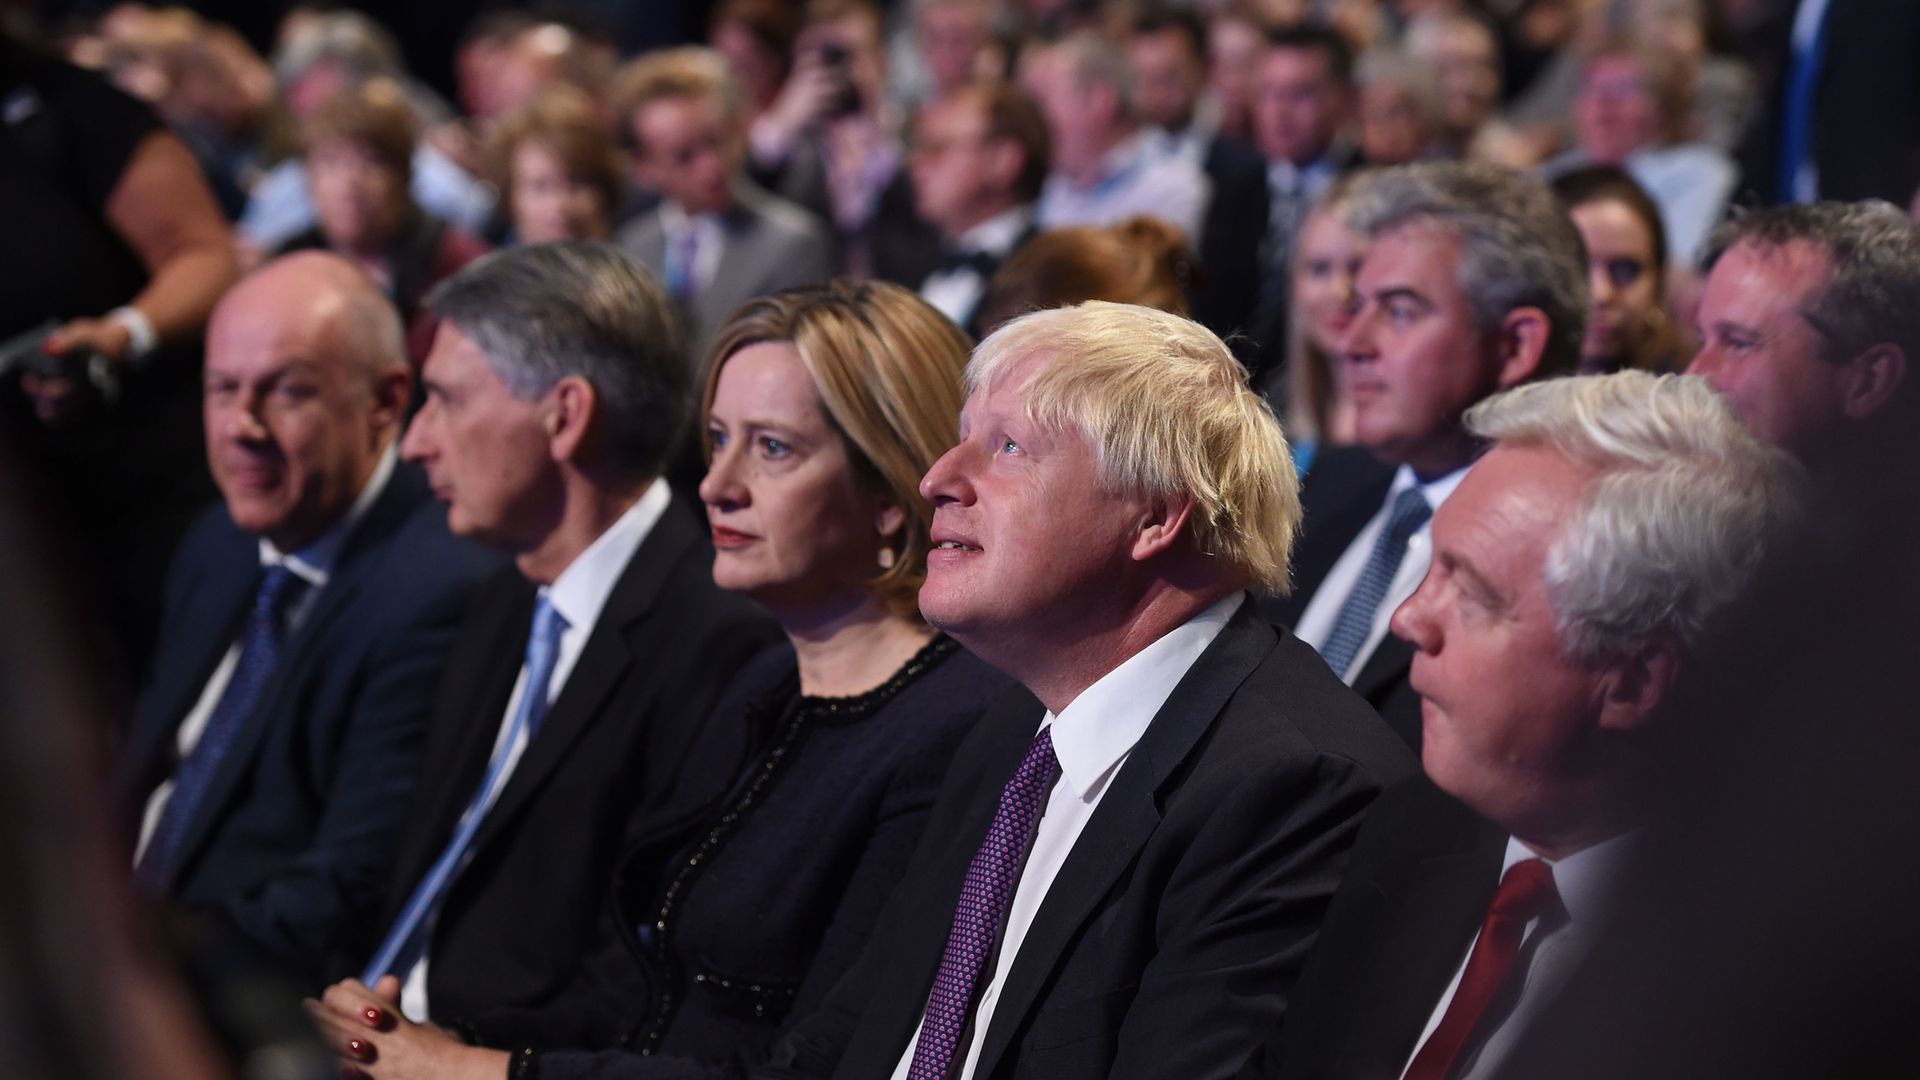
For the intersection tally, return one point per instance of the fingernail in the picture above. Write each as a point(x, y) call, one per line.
point(375, 1015)
point(358, 1048)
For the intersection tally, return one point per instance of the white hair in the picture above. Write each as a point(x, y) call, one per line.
point(1686, 502)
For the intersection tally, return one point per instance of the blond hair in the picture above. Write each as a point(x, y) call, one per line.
point(691, 72)
point(888, 368)
point(1169, 412)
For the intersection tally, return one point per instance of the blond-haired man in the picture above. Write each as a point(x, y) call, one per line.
point(1124, 869)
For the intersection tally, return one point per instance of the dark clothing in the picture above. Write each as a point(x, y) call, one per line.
point(1346, 487)
point(1417, 888)
point(1169, 941)
point(758, 919)
point(522, 917)
point(295, 836)
point(1230, 241)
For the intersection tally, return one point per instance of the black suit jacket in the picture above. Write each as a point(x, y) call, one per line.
point(1344, 489)
point(294, 840)
point(1168, 942)
point(1416, 891)
point(1231, 235)
point(521, 918)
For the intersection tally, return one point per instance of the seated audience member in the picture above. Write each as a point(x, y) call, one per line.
point(1140, 261)
point(1397, 109)
point(1627, 325)
point(1105, 166)
point(756, 37)
point(359, 156)
point(1317, 410)
point(1190, 778)
point(953, 44)
point(715, 240)
point(557, 170)
point(1472, 282)
point(1633, 111)
point(554, 391)
point(824, 407)
point(1234, 41)
point(979, 159)
point(274, 746)
point(1167, 53)
point(1462, 49)
point(1810, 328)
point(1576, 572)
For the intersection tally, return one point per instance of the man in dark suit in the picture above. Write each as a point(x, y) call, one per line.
point(1474, 280)
point(307, 616)
point(1576, 571)
point(574, 689)
point(1123, 870)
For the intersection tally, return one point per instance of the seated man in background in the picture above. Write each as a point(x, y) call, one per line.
point(307, 617)
point(1575, 574)
point(1151, 836)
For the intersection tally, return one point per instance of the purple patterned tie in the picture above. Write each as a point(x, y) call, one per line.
point(984, 898)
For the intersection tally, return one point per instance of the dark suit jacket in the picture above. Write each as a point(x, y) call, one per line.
point(294, 841)
point(1416, 891)
point(1230, 239)
point(520, 919)
point(1171, 937)
point(1345, 488)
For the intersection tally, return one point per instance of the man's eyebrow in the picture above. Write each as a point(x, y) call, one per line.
point(1478, 582)
point(1395, 292)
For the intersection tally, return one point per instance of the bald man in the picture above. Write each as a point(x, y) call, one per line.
point(306, 617)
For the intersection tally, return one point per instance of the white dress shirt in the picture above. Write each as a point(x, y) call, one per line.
point(1092, 737)
point(956, 292)
point(1135, 179)
point(313, 564)
point(1582, 880)
point(1316, 622)
point(577, 594)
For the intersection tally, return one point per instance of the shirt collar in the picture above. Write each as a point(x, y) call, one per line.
point(1100, 726)
point(674, 219)
point(996, 235)
point(1309, 179)
point(1582, 878)
point(1436, 490)
point(582, 588)
point(314, 563)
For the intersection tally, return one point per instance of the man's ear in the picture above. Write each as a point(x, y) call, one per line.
point(1635, 686)
point(569, 417)
point(1523, 343)
point(392, 393)
point(1164, 522)
point(1872, 379)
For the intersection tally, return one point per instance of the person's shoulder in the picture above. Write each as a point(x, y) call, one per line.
point(780, 217)
point(1292, 706)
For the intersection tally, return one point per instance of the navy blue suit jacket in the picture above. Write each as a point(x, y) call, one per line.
point(296, 836)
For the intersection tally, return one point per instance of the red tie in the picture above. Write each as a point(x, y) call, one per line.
point(1526, 893)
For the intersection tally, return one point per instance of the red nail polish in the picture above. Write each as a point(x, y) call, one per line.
point(375, 1015)
point(358, 1048)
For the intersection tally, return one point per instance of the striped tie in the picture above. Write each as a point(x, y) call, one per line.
point(1355, 622)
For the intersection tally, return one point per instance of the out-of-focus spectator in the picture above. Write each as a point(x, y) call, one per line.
point(1725, 94)
point(1317, 411)
point(979, 160)
point(321, 55)
point(1628, 325)
point(478, 58)
point(948, 43)
point(1234, 42)
point(1399, 109)
point(716, 240)
point(359, 159)
point(756, 37)
point(1105, 166)
point(1463, 51)
point(1632, 111)
point(558, 172)
point(1140, 261)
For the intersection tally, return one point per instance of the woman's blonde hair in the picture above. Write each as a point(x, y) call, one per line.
point(888, 368)
point(1168, 411)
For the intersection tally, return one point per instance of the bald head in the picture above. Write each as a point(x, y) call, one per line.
point(306, 387)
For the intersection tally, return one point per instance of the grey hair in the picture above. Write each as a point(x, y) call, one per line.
point(354, 41)
point(544, 312)
point(1413, 74)
point(1870, 297)
point(1094, 60)
point(1686, 503)
point(1518, 246)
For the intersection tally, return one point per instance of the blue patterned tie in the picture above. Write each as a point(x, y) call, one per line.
point(259, 651)
point(682, 264)
point(407, 939)
point(1796, 111)
point(1355, 621)
point(984, 899)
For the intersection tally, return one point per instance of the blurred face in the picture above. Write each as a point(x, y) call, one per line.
point(1167, 77)
point(1298, 108)
point(859, 38)
point(1505, 711)
point(688, 152)
point(548, 204)
point(1023, 531)
point(294, 426)
point(1080, 118)
point(358, 201)
point(486, 453)
point(1392, 131)
point(758, 69)
point(1467, 63)
point(1323, 279)
point(1760, 351)
point(1415, 355)
point(960, 175)
point(1615, 112)
point(1233, 54)
point(791, 526)
point(1624, 273)
point(951, 37)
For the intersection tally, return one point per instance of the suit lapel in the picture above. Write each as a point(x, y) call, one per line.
point(1125, 818)
point(1342, 493)
point(1387, 663)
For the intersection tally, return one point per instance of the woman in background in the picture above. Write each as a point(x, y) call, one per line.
point(557, 170)
point(1628, 325)
point(1142, 260)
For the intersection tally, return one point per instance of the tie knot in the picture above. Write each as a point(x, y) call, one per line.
point(548, 625)
point(1526, 892)
point(278, 586)
point(1410, 511)
point(1041, 767)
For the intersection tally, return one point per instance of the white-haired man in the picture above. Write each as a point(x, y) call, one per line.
point(1575, 572)
point(1123, 870)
